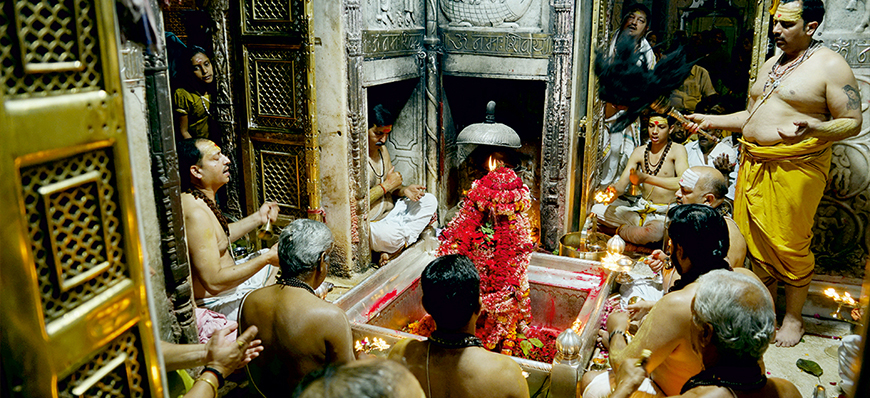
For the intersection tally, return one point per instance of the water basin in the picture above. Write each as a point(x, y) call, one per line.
point(564, 292)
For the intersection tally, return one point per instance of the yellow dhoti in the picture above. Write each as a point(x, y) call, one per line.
point(778, 191)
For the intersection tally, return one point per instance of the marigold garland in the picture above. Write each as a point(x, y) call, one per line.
point(493, 231)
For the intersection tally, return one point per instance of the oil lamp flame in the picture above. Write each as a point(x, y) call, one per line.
point(369, 346)
point(493, 163)
point(845, 298)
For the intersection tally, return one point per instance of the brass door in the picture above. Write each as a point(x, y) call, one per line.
point(279, 132)
point(73, 312)
point(593, 124)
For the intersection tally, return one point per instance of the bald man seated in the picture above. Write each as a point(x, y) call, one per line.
point(698, 185)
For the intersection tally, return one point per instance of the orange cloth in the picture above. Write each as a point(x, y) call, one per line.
point(778, 191)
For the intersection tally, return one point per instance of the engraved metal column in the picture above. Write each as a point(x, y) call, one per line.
point(555, 145)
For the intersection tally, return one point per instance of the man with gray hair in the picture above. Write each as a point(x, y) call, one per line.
point(733, 324)
point(300, 331)
point(369, 378)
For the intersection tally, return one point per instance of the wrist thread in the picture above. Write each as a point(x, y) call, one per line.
point(217, 374)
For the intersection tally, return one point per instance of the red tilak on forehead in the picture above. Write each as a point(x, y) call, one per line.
point(656, 122)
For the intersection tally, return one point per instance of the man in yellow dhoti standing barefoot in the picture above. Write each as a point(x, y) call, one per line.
point(808, 100)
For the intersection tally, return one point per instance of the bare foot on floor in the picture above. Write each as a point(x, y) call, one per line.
point(385, 258)
point(790, 333)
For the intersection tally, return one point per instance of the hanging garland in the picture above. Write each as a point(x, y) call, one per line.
point(493, 231)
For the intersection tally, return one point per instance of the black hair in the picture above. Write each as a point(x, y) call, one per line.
point(625, 79)
point(451, 291)
point(702, 233)
point(813, 10)
point(188, 155)
point(380, 116)
point(635, 7)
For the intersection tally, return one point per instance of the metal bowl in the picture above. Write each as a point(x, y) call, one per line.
point(569, 246)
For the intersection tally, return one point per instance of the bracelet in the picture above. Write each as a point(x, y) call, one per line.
point(211, 383)
point(217, 374)
point(613, 333)
point(382, 187)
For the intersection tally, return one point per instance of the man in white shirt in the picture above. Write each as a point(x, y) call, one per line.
point(705, 152)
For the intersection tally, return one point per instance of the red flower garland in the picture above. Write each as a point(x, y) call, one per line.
point(493, 231)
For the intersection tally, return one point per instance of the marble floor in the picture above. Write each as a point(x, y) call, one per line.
point(819, 344)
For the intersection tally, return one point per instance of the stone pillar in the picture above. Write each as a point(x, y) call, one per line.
point(554, 160)
point(841, 239)
point(332, 122)
point(358, 137)
point(432, 57)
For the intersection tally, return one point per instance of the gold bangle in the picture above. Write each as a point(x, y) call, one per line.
point(211, 383)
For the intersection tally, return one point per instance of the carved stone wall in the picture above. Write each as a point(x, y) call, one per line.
point(174, 275)
point(841, 239)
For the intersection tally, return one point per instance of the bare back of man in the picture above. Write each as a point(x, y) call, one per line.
point(774, 388)
point(666, 332)
point(463, 372)
point(300, 333)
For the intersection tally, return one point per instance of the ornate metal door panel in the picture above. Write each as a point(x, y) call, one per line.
point(596, 138)
point(279, 139)
point(75, 319)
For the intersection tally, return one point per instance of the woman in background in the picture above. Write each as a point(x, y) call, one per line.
point(193, 98)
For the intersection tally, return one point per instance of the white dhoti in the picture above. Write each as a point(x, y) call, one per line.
point(600, 388)
point(639, 213)
point(228, 302)
point(402, 225)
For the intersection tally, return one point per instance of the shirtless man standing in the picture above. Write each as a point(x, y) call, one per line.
point(705, 185)
point(218, 282)
point(659, 165)
point(453, 362)
point(808, 101)
point(300, 331)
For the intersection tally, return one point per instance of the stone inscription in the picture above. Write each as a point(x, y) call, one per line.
point(855, 51)
point(391, 43)
point(502, 44)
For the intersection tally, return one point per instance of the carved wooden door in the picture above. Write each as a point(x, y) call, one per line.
point(279, 133)
point(73, 313)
